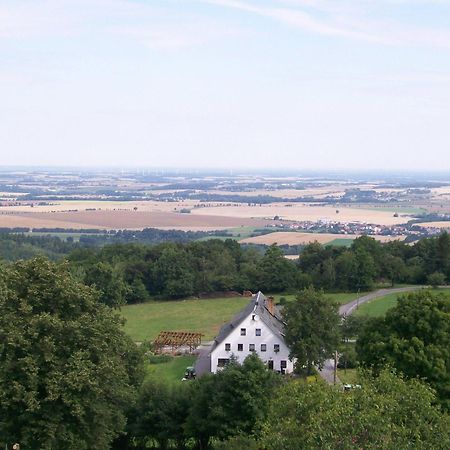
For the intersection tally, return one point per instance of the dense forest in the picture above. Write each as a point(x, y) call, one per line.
point(133, 272)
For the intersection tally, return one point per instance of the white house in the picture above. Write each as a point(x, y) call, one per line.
point(257, 328)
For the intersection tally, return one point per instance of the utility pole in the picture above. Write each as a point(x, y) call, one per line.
point(335, 367)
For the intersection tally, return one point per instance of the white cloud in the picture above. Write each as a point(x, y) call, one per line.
point(343, 19)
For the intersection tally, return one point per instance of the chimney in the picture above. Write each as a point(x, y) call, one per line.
point(270, 305)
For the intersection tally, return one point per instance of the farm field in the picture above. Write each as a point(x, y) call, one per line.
point(441, 224)
point(144, 321)
point(297, 238)
point(119, 219)
point(302, 212)
point(379, 306)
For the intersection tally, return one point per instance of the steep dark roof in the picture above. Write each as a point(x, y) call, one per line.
point(258, 306)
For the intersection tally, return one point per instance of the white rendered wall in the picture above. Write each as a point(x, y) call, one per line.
point(267, 337)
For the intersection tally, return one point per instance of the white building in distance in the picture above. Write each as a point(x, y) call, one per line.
point(257, 328)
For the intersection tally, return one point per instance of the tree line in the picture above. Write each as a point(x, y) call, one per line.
point(132, 272)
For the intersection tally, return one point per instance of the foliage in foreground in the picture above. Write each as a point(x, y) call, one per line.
point(413, 337)
point(214, 407)
point(386, 413)
point(67, 370)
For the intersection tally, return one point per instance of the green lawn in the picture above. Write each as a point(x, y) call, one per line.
point(144, 321)
point(349, 376)
point(342, 297)
point(171, 371)
point(340, 242)
point(379, 306)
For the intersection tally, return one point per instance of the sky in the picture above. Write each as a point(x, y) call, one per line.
point(295, 84)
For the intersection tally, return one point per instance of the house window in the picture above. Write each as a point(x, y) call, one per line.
point(258, 331)
point(227, 347)
point(263, 347)
point(243, 331)
point(276, 348)
point(240, 347)
point(251, 347)
point(222, 362)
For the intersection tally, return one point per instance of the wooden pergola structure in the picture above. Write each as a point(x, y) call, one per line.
point(175, 340)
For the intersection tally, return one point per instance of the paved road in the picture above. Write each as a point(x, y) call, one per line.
point(349, 308)
point(345, 310)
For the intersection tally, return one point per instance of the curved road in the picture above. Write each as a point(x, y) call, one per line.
point(327, 373)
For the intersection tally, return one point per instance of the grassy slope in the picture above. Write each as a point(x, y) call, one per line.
point(171, 371)
point(144, 321)
point(379, 306)
point(341, 297)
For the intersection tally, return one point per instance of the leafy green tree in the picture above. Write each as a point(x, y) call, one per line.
point(173, 273)
point(414, 337)
point(234, 401)
point(275, 272)
point(346, 270)
point(67, 370)
point(393, 268)
point(312, 329)
point(436, 279)
point(160, 414)
point(366, 271)
point(386, 413)
point(109, 282)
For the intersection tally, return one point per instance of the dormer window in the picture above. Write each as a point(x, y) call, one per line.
point(227, 347)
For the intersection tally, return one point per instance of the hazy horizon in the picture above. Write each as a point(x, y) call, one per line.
point(283, 85)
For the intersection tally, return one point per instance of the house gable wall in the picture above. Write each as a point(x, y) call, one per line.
point(267, 337)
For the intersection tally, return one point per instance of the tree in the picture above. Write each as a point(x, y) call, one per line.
point(160, 414)
point(388, 412)
point(312, 328)
point(414, 337)
point(68, 372)
point(436, 279)
point(276, 273)
point(393, 268)
point(109, 281)
point(234, 401)
point(173, 273)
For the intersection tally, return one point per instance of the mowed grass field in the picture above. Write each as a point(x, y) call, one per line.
point(144, 321)
point(341, 297)
point(379, 306)
point(171, 371)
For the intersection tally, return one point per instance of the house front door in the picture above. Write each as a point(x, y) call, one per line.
point(270, 363)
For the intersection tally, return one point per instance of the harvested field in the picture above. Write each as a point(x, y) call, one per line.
point(305, 212)
point(294, 238)
point(108, 219)
point(442, 225)
point(82, 205)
